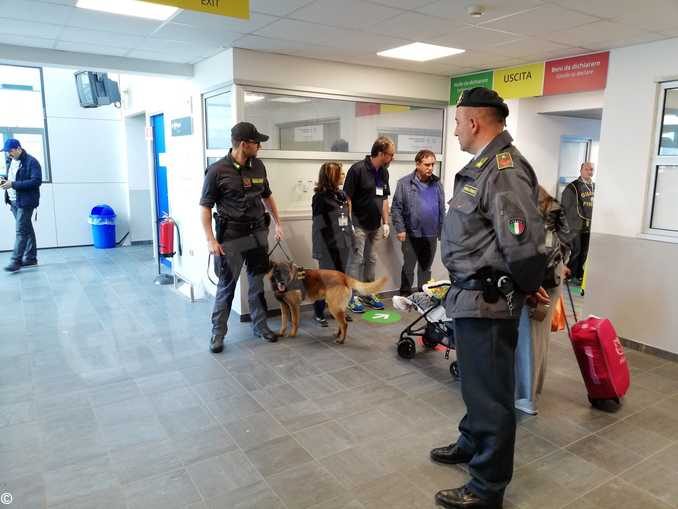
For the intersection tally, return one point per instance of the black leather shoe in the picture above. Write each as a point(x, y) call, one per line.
point(463, 498)
point(451, 455)
point(30, 263)
point(13, 267)
point(217, 344)
point(267, 334)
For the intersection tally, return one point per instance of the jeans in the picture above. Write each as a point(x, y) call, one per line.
point(364, 259)
point(418, 251)
point(25, 246)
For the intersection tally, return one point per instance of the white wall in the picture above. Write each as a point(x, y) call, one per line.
point(88, 167)
point(538, 135)
point(628, 273)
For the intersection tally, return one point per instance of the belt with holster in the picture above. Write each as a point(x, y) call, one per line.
point(224, 225)
point(492, 283)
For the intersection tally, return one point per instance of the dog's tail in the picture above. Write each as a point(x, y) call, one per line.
point(366, 288)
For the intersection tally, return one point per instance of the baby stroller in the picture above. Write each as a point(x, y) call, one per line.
point(430, 330)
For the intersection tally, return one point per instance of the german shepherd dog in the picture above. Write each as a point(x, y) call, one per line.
point(292, 284)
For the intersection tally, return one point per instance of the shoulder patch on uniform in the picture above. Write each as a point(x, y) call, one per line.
point(517, 226)
point(470, 190)
point(504, 160)
point(481, 162)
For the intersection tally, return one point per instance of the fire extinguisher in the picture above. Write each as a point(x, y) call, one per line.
point(166, 237)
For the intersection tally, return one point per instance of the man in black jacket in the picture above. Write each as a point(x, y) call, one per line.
point(22, 194)
point(577, 201)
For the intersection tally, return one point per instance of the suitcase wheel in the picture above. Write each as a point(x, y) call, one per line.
point(606, 405)
point(454, 370)
point(407, 348)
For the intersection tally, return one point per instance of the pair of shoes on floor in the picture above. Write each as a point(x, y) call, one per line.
point(464, 498)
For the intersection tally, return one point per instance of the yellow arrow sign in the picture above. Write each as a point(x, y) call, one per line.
point(230, 8)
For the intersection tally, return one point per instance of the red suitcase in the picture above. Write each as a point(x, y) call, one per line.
point(601, 358)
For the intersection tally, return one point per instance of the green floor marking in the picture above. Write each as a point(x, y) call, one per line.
point(382, 317)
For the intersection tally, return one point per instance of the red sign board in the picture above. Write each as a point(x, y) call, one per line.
point(576, 74)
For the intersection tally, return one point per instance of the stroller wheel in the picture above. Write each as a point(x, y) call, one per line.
point(454, 370)
point(407, 348)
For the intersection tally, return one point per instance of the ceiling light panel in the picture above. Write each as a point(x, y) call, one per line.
point(420, 52)
point(135, 8)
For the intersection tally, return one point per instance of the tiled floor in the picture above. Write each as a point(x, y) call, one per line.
point(109, 398)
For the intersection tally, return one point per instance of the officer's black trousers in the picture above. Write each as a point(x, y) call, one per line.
point(580, 251)
point(485, 353)
point(251, 250)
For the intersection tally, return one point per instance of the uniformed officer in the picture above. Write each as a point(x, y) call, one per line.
point(238, 186)
point(493, 247)
point(577, 201)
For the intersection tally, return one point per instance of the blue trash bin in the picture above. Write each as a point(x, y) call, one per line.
point(102, 219)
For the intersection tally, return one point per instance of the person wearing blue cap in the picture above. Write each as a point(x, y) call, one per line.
point(22, 194)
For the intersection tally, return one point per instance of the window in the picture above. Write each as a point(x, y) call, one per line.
point(664, 199)
point(22, 112)
point(328, 124)
point(218, 121)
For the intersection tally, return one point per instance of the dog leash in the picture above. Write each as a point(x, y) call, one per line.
point(279, 245)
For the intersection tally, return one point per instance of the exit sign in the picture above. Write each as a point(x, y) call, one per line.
point(230, 8)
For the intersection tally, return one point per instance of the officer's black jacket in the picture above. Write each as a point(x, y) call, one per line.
point(236, 190)
point(493, 223)
point(577, 200)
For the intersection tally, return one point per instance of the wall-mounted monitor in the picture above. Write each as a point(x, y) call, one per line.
point(96, 89)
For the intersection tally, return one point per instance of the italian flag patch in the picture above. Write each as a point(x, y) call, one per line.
point(517, 226)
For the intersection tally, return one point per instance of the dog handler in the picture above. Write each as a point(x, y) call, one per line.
point(238, 186)
point(493, 247)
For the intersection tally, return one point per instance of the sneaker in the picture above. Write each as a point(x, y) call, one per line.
point(322, 321)
point(373, 301)
point(13, 267)
point(355, 306)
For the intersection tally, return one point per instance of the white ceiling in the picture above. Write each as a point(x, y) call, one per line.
point(510, 32)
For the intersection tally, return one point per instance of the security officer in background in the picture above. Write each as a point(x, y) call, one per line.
point(577, 201)
point(493, 247)
point(238, 186)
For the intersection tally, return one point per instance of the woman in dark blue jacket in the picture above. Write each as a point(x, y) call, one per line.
point(332, 234)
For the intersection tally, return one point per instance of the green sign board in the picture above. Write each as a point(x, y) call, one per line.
point(383, 317)
point(461, 83)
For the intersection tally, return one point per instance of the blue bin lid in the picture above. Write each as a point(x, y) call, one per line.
point(103, 211)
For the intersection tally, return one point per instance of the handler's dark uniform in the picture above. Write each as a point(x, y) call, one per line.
point(242, 230)
point(577, 201)
point(493, 247)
